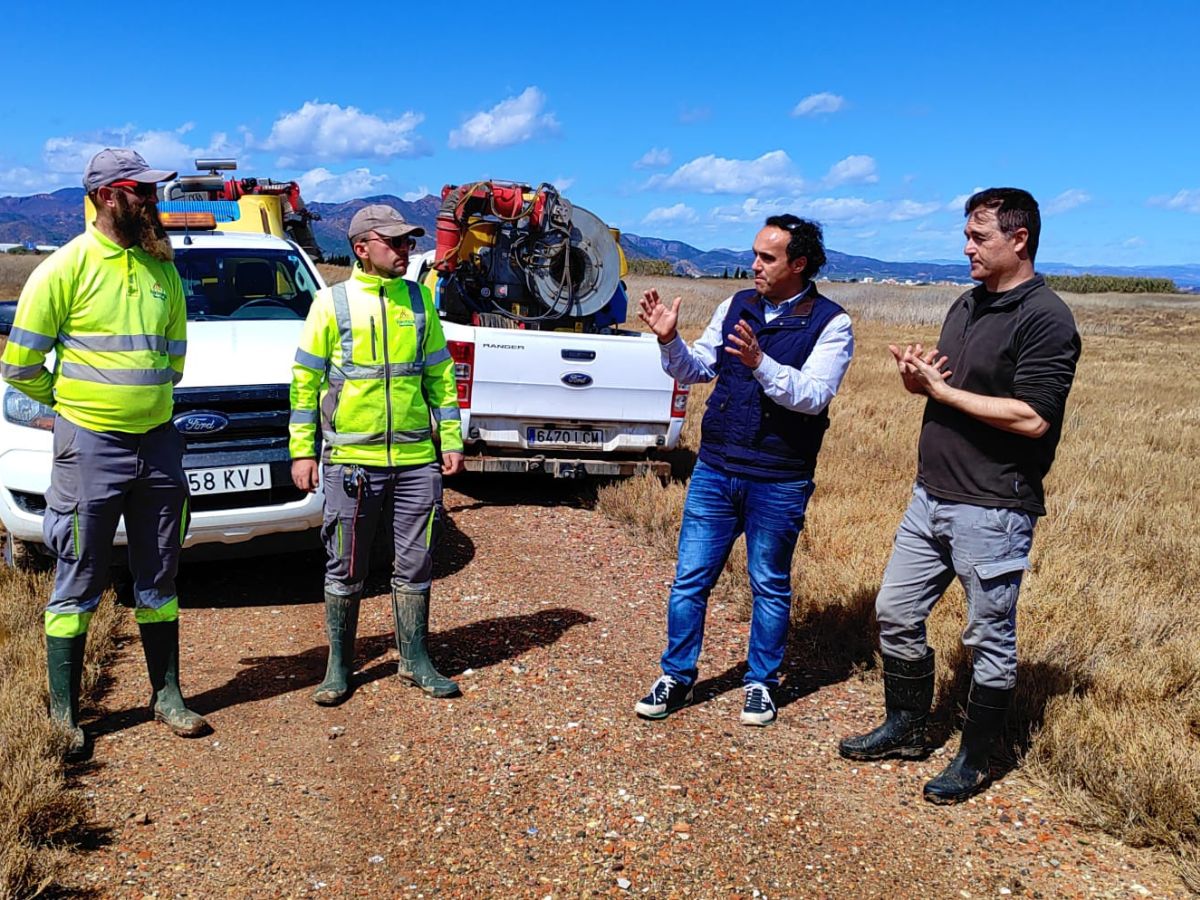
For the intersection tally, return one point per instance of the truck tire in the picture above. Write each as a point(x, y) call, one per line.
point(23, 555)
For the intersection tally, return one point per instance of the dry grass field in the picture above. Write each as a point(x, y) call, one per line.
point(14, 269)
point(1108, 708)
point(41, 818)
point(1108, 713)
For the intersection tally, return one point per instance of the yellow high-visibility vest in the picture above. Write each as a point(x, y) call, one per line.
point(116, 319)
point(373, 371)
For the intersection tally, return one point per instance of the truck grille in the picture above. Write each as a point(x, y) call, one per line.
point(257, 432)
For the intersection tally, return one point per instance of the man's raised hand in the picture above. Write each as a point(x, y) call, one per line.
point(661, 318)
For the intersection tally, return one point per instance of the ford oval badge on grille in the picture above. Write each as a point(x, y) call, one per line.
point(576, 379)
point(201, 423)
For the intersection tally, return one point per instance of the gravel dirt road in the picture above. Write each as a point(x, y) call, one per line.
point(539, 781)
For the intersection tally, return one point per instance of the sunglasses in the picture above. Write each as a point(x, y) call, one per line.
point(139, 188)
point(397, 243)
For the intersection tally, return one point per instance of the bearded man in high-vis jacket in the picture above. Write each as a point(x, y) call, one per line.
point(110, 304)
point(374, 372)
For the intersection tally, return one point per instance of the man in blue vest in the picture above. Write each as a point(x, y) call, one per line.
point(778, 354)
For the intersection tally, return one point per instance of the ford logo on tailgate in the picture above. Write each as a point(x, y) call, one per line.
point(201, 423)
point(576, 379)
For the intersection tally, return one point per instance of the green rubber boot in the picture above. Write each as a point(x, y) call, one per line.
point(64, 662)
point(411, 612)
point(341, 625)
point(160, 644)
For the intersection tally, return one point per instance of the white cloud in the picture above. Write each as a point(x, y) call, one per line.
point(819, 104)
point(1132, 243)
point(852, 170)
point(1067, 200)
point(22, 181)
point(511, 121)
point(654, 158)
point(850, 211)
point(322, 186)
point(327, 132)
point(680, 213)
point(1187, 200)
point(163, 149)
point(716, 175)
point(418, 194)
point(563, 183)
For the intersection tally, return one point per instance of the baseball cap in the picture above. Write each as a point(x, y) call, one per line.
point(383, 220)
point(121, 164)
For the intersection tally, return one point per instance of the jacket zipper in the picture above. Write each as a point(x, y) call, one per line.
point(387, 376)
point(374, 352)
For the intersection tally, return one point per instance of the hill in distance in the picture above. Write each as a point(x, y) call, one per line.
point(55, 218)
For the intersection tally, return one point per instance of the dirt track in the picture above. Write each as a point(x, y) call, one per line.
point(539, 780)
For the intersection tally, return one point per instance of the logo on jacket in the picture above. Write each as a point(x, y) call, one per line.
point(158, 292)
point(576, 379)
point(201, 422)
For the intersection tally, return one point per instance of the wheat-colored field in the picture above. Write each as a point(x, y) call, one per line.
point(1108, 706)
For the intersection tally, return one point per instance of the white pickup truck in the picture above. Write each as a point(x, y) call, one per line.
point(247, 296)
point(568, 404)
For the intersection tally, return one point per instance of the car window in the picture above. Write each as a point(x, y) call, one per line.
point(244, 284)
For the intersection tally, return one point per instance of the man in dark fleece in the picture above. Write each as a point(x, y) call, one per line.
point(996, 388)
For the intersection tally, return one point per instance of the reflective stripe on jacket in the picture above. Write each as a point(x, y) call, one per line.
point(373, 371)
point(116, 319)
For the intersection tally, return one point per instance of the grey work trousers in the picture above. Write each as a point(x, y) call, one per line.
point(988, 549)
point(408, 495)
point(97, 477)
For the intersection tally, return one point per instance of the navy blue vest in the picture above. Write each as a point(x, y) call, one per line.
point(746, 433)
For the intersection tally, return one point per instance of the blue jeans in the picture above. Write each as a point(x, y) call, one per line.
point(720, 507)
point(988, 549)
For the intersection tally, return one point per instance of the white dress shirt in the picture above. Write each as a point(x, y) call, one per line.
point(805, 390)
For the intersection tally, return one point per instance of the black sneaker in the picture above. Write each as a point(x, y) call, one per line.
point(666, 696)
point(759, 708)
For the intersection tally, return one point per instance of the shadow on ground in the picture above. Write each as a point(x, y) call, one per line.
point(287, 579)
point(830, 643)
point(473, 646)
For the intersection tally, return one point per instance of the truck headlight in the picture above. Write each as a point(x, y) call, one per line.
point(22, 410)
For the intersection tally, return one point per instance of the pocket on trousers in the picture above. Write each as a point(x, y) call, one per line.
point(61, 532)
point(998, 585)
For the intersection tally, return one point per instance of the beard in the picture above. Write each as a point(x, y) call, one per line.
point(140, 226)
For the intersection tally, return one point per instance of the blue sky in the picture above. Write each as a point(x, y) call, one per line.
point(690, 122)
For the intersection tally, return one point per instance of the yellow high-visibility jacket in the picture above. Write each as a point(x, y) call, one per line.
point(117, 321)
point(372, 367)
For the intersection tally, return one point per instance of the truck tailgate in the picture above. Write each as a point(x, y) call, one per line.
point(551, 375)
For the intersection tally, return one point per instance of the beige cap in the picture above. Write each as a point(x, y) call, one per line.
point(383, 220)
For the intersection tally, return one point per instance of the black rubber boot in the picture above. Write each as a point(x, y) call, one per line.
point(411, 611)
point(64, 663)
point(969, 771)
point(907, 696)
point(341, 625)
point(160, 644)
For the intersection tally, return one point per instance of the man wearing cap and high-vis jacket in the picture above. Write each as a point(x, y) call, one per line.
point(373, 371)
point(110, 305)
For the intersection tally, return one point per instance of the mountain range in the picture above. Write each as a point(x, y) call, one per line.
point(55, 218)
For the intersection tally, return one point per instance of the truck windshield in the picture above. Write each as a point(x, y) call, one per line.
point(244, 284)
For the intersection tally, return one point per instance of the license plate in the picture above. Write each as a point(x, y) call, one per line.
point(227, 479)
point(565, 437)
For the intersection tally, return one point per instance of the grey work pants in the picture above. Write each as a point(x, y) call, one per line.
point(988, 549)
point(97, 477)
point(409, 495)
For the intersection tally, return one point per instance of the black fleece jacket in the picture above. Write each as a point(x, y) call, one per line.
point(1020, 343)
